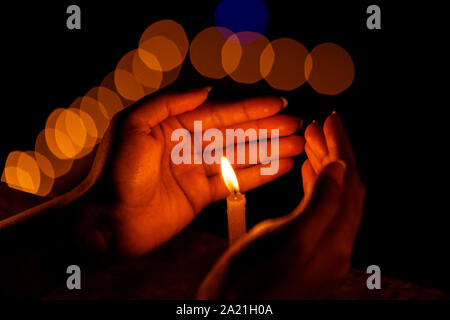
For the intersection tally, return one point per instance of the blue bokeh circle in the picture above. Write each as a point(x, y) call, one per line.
point(242, 15)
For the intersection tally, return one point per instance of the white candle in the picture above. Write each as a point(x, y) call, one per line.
point(235, 203)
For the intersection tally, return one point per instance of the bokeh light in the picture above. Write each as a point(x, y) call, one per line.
point(96, 111)
point(282, 64)
point(84, 120)
point(108, 98)
point(206, 52)
point(149, 77)
point(60, 166)
point(127, 85)
point(242, 15)
point(45, 165)
point(170, 76)
point(330, 69)
point(51, 134)
point(172, 31)
point(160, 54)
point(242, 60)
point(235, 47)
point(22, 172)
point(70, 133)
point(47, 179)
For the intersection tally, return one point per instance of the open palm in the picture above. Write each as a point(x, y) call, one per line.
point(145, 197)
point(304, 254)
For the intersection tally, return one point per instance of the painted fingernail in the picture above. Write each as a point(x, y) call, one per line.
point(208, 88)
point(284, 103)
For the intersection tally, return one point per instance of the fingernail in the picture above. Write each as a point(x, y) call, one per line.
point(336, 171)
point(300, 122)
point(284, 103)
point(314, 121)
point(208, 88)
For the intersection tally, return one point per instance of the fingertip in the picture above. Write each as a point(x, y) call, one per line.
point(333, 120)
point(285, 165)
point(298, 144)
point(337, 139)
point(312, 129)
point(262, 107)
point(185, 101)
point(286, 124)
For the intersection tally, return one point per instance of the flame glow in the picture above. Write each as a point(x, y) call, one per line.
point(228, 175)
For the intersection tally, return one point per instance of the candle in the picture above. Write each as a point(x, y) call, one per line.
point(235, 203)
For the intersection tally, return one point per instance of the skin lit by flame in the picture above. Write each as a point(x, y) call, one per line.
point(228, 175)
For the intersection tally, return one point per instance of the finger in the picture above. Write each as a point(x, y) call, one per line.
point(249, 178)
point(224, 114)
point(316, 140)
point(353, 206)
point(250, 131)
point(149, 113)
point(322, 204)
point(309, 176)
point(313, 158)
point(346, 224)
point(285, 124)
point(338, 143)
point(287, 147)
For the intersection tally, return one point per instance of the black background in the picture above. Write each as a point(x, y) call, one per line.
point(386, 111)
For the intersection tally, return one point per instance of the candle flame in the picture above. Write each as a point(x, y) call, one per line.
point(228, 175)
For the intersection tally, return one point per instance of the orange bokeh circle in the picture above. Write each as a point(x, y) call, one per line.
point(60, 166)
point(172, 31)
point(206, 51)
point(329, 69)
point(96, 110)
point(127, 85)
point(282, 64)
point(70, 133)
point(160, 54)
point(22, 172)
point(241, 59)
point(150, 77)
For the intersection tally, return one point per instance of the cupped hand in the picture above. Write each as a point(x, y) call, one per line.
point(141, 198)
point(306, 253)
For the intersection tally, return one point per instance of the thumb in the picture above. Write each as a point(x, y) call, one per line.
point(149, 113)
point(328, 184)
point(323, 202)
point(335, 170)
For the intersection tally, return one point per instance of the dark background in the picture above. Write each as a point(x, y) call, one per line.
point(387, 111)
